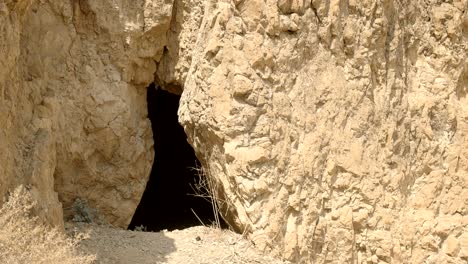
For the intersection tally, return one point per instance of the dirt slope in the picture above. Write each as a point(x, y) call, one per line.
point(195, 245)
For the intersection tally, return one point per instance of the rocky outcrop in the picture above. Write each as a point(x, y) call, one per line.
point(74, 100)
point(96, 59)
point(27, 145)
point(335, 131)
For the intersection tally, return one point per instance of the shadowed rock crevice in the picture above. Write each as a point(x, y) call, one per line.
point(170, 197)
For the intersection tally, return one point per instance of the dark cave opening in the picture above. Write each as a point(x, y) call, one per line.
point(169, 200)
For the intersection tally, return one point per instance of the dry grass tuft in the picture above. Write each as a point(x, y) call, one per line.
point(25, 239)
point(207, 188)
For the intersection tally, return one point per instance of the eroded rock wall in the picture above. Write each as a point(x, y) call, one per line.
point(336, 130)
point(74, 100)
point(27, 144)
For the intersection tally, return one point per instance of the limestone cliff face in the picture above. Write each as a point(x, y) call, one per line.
point(336, 131)
point(73, 79)
point(27, 145)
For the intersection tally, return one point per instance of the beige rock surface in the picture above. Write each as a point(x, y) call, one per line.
point(26, 141)
point(335, 130)
point(73, 79)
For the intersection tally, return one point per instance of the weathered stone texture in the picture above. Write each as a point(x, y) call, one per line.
point(75, 99)
point(337, 130)
point(27, 145)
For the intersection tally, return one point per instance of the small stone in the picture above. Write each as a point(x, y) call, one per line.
point(451, 246)
point(463, 239)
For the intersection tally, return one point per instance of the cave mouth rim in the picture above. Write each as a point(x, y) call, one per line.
point(144, 220)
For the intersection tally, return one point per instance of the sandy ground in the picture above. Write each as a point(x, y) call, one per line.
point(195, 245)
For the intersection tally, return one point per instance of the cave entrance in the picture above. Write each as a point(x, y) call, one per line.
point(169, 201)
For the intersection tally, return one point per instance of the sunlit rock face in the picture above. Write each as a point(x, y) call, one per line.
point(74, 114)
point(335, 131)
